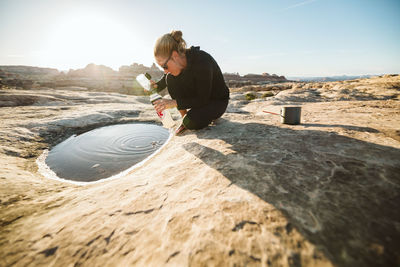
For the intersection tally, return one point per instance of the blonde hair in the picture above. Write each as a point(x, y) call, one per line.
point(168, 43)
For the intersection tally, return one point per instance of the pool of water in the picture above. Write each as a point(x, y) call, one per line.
point(105, 152)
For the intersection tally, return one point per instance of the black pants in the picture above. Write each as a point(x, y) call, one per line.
point(198, 118)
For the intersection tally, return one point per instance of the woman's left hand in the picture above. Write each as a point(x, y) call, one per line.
point(153, 84)
point(163, 104)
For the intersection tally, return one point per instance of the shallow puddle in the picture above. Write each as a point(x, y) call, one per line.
point(105, 152)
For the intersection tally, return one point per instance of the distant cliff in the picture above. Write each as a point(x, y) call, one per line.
point(136, 69)
point(102, 78)
point(27, 71)
point(93, 70)
point(24, 76)
point(93, 77)
point(235, 80)
point(330, 78)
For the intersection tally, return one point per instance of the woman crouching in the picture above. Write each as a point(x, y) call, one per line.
point(194, 80)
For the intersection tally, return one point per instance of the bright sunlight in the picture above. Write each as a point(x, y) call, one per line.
point(78, 40)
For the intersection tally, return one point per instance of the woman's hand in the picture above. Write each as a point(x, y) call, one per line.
point(163, 104)
point(153, 84)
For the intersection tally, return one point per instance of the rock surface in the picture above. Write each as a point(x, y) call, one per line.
point(245, 191)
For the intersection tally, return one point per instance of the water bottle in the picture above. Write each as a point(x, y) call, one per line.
point(165, 115)
point(144, 81)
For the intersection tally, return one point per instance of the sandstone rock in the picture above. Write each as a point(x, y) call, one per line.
point(235, 80)
point(247, 190)
point(29, 71)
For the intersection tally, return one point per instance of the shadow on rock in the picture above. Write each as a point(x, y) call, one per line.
point(347, 127)
point(342, 194)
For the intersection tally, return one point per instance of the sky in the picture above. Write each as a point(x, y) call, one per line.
point(283, 37)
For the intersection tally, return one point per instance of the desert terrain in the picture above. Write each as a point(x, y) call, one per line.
point(245, 191)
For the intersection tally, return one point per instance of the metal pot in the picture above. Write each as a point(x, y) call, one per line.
point(290, 115)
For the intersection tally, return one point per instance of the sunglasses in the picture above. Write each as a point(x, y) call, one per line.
point(164, 66)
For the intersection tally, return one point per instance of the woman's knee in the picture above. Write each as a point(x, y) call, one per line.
point(192, 124)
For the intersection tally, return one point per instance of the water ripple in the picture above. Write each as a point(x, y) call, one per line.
point(105, 151)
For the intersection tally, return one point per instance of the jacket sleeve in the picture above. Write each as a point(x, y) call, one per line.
point(161, 84)
point(203, 77)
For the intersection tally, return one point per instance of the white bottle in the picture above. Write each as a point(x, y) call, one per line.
point(144, 81)
point(164, 115)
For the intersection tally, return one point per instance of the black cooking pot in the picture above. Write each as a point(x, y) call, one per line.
point(290, 115)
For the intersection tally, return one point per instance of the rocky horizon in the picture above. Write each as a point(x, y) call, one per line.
point(92, 69)
point(102, 78)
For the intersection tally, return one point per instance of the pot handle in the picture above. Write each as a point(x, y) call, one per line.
point(272, 113)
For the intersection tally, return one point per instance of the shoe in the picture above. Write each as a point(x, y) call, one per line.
point(215, 122)
point(180, 130)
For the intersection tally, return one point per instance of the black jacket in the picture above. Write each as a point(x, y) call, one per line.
point(200, 83)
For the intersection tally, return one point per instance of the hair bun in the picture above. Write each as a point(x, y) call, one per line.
point(177, 35)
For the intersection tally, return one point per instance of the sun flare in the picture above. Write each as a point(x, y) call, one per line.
point(90, 38)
